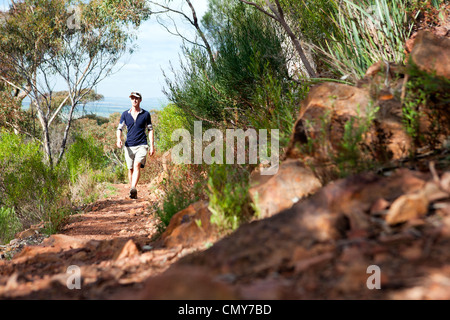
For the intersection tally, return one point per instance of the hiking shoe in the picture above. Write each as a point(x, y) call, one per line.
point(133, 193)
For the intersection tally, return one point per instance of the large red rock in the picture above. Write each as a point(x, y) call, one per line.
point(431, 53)
point(266, 245)
point(189, 226)
point(319, 128)
point(186, 283)
point(292, 182)
point(324, 119)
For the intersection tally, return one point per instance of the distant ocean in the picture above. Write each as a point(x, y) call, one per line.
point(110, 105)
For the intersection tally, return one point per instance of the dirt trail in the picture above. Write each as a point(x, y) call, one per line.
point(117, 216)
point(112, 245)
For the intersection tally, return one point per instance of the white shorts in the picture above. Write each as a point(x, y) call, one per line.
point(135, 155)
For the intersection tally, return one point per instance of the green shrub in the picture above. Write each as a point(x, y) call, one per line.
point(98, 136)
point(87, 167)
point(9, 224)
point(176, 199)
point(426, 97)
point(229, 201)
point(170, 118)
point(275, 103)
point(27, 184)
point(56, 218)
point(369, 31)
point(183, 186)
point(350, 158)
point(84, 154)
point(222, 91)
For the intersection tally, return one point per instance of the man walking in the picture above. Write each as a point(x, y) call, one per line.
point(137, 121)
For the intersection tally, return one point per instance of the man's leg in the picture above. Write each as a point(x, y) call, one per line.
point(130, 160)
point(135, 174)
point(139, 162)
point(130, 176)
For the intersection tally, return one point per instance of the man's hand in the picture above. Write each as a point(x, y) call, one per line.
point(151, 150)
point(119, 144)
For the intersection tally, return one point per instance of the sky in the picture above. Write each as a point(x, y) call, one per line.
point(142, 71)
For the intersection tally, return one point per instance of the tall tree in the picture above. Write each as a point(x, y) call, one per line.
point(45, 42)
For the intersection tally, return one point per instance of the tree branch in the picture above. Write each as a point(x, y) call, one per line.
point(11, 84)
point(178, 34)
point(260, 9)
point(278, 15)
point(194, 22)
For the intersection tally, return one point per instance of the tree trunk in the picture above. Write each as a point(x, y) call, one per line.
point(200, 32)
point(300, 52)
point(280, 15)
point(66, 133)
point(46, 135)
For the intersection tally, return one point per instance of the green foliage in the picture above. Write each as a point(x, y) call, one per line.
point(229, 201)
point(182, 187)
point(423, 4)
point(248, 38)
point(425, 93)
point(222, 93)
point(215, 19)
point(170, 118)
point(313, 18)
point(123, 11)
point(84, 154)
point(369, 31)
point(33, 29)
point(192, 89)
point(9, 224)
point(176, 199)
point(27, 184)
point(410, 109)
point(98, 135)
point(275, 103)
point(350, 158)
point(88, 166)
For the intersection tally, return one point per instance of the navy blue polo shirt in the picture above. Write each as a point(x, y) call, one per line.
point(136, 135)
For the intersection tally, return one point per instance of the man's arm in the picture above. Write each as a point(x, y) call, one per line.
point(119, 138)
point(151, 142)
point(151, 135)
point(119, 132)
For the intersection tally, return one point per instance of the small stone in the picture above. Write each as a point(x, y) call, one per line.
point(147, 248)
point(129, 250)
point(407, 207)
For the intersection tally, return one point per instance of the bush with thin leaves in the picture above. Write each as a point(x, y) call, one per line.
point(221, 93)
point(368, 31)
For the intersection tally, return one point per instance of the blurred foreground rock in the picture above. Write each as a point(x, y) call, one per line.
point(322, 246)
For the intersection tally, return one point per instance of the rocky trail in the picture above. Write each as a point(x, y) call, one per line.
point(326, 246)
point(111, 244)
